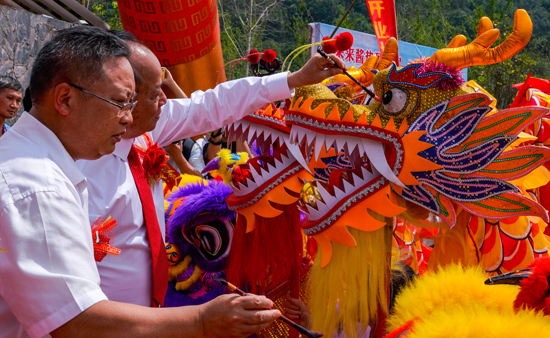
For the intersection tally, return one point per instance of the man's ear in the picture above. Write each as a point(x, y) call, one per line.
point(64, 98)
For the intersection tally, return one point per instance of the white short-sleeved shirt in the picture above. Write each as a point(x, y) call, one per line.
point(48, 274)
point(127, 277)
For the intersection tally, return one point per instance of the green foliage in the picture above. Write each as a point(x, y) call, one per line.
point(108, 12)
point(413, 19)
point(431, 23)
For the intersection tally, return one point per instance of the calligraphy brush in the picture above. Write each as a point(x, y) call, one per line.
point(368, 91)
point(301, 329)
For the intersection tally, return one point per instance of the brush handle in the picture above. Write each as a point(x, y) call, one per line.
point(301, 329)
point(323, 54)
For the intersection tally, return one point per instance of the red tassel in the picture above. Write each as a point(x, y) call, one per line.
point(269, 55)
point(264, 258)
point(533, 293)
point(344, 41)
point(253, 56)
point(330, 46)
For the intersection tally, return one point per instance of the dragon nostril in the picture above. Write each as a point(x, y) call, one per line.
point(387, 97)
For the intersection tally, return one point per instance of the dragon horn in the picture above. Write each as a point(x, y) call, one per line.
point(485, 24)
point(479, 52)
point(388, 55)
point(365, 73)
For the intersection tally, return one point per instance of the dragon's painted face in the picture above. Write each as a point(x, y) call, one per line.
point(409, 91)
point(429, 142)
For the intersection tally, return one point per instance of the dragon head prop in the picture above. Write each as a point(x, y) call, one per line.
point(426, 140)
point(427, 147)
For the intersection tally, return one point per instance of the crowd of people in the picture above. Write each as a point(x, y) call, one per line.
point(73, 158)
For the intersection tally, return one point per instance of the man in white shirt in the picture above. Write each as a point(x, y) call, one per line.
point(83, 88)
point(128, 277)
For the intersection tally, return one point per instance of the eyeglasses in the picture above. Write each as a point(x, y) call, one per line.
point(125, 108)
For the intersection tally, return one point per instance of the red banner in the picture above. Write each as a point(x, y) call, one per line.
point(176, 31)
point(382, 14)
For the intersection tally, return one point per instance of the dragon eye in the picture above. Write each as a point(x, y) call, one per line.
point(394, 100)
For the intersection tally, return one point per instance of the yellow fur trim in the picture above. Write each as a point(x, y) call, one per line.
point(447, 290)
point(186, 284)
point(478, 321)
point(348, 290)
point(243, 157)
point(179, 268)
point(225, 161)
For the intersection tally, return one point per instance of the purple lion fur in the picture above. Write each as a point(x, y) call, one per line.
point(203, 203)
point(200, 198)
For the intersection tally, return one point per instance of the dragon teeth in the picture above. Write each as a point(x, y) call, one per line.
point(314, 214)
point(329, 142)
point(348, 187)
point(319, 140)
point(340, 142)
point(310, 137)
point(297, 153)
point(375, 152)
point(339, 193)
point(245, 131)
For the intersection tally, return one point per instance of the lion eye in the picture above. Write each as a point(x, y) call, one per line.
point(394, 100)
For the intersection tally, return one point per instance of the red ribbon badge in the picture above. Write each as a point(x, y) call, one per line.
point(102, 234)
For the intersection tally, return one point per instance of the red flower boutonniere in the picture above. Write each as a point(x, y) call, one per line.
point(156, 167)
point(102, 234)
point(154, 163)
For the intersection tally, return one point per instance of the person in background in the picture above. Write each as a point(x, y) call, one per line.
point(10, 100)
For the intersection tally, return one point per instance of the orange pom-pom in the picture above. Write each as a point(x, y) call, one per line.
point(330, 46)
point(253, 56)
point(344, 41)
point(269, 55)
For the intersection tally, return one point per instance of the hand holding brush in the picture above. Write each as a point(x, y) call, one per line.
point(305, 332)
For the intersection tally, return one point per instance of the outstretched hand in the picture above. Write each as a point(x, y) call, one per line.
point(314, 71)
point(236, 316)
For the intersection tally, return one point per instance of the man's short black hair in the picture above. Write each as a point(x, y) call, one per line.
point(10, 82)
point(74, 55)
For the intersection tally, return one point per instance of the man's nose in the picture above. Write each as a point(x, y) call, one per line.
point(163, 99)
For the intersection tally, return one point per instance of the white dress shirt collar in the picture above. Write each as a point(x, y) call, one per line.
point(34, 130)
point(122, 149)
